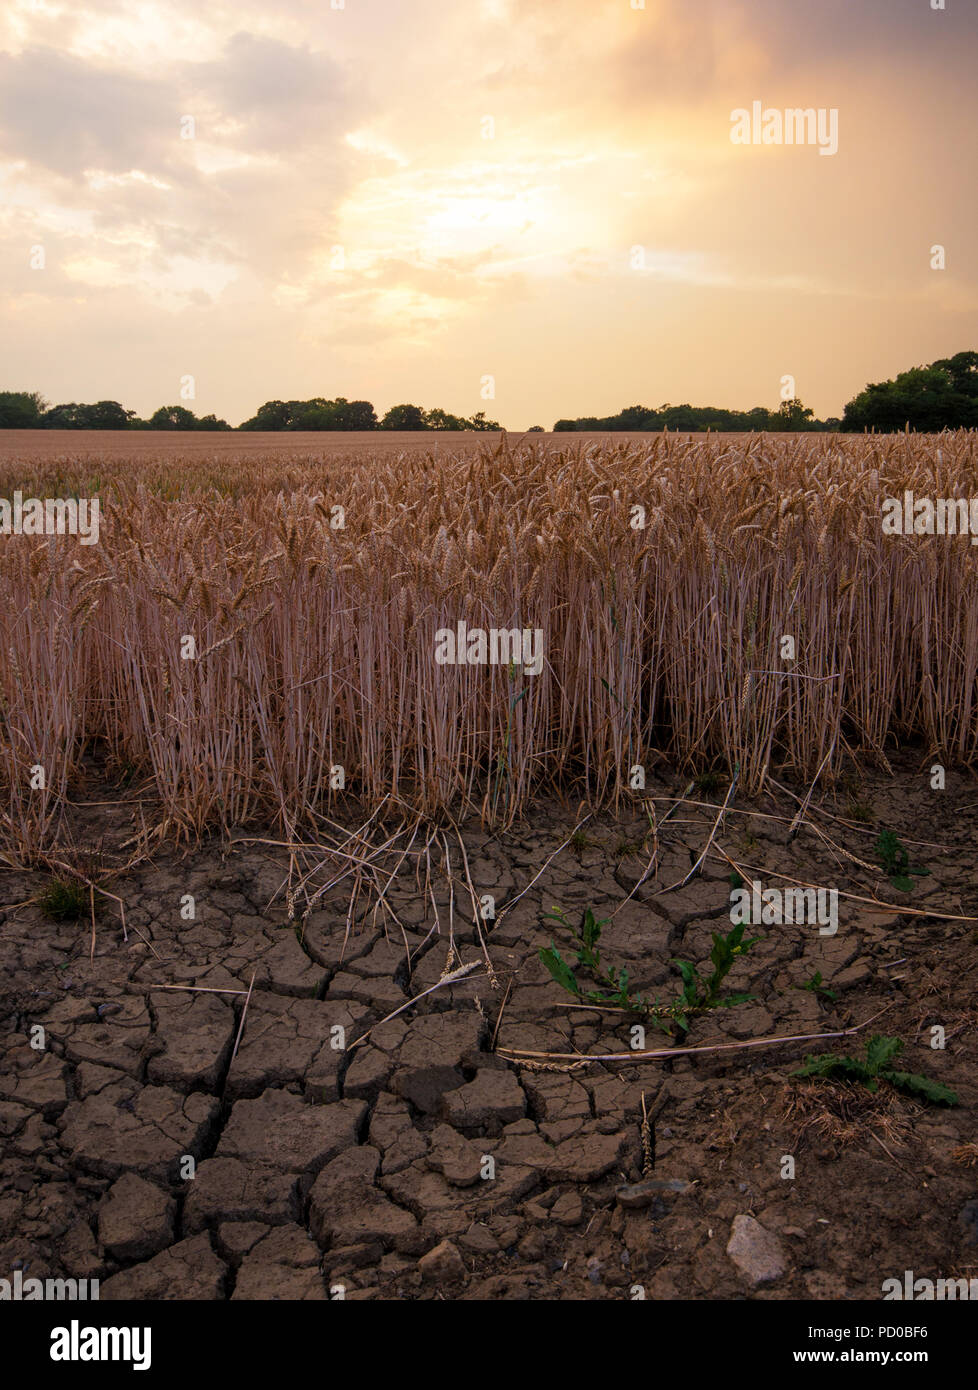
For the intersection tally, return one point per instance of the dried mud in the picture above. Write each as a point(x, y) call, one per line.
point(361, 1171)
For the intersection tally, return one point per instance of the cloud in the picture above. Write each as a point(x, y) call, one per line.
point(363, 128)
point(67, 115)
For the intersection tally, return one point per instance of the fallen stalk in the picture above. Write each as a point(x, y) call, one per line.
point(445, 980)
point(664, 1053)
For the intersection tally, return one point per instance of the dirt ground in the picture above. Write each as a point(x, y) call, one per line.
point(423, 1161)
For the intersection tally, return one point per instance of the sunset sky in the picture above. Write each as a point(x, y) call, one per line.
point(341, 225)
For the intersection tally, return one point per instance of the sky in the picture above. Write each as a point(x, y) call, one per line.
point(532, 208)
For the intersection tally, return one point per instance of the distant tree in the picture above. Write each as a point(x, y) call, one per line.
point(680, 417)
point(441, 420)
point(962, 372)
point(21, 410)
point(315, 414)
point(318, 413)
point(565, 426)
point(758, 419)
point(793, 416)
point(106, 415)
point(941, 396)
point(211, 422)
point(273, 415)
point(636, 417)
point(70, 416)
point(535, 429)
point(404, 417)
point(479, 422)
point(355, 415)
point(173, 417)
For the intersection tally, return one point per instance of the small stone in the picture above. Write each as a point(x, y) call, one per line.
point(643, 1194)
point(479, 1240)
point(756, 1251)
point(442, 1264)
point(533, 1246)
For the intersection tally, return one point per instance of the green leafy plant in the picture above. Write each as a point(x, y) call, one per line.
point(815, 986)
point(700, 992)
point(614, 985)
point(875, 1067)
point(896, 862)
point(64, 900)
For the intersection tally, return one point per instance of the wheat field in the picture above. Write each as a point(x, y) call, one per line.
point(313, 642)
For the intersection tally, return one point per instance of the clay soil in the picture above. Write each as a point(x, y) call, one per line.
point(424, 1162)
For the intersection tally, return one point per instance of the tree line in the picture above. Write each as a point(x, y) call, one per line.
point(943, 395)
point(28, 410)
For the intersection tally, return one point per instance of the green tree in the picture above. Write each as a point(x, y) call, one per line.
point(69, 416)
point(106, 415)
point(479, 422)
point(793, 415)
point(273, 415)
point(173, 417)
point(21, 410)
point(941, 396)
point(438, 419)
point(404, 417)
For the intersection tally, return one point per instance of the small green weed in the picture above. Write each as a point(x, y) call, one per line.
point(872, 1069)
point(896, 862)
point(64, 900)
point(815, 986)
point(700, 992)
